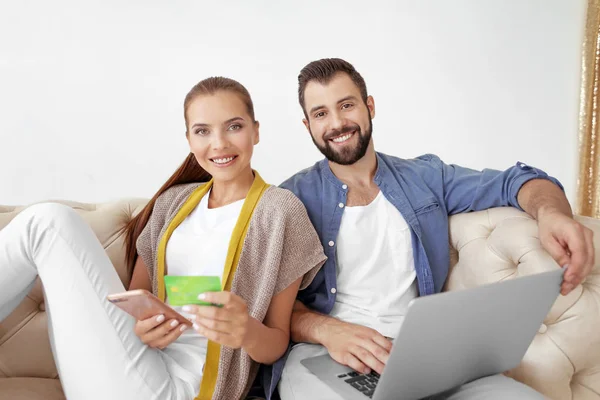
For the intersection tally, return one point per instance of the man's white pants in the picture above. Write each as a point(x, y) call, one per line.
point(97, 353)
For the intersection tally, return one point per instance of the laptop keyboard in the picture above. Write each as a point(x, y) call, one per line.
point(364, 383)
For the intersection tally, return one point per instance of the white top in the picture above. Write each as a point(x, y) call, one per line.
point(198, 246)
point(376, 275)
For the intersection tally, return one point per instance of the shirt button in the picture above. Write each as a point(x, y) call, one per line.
point(344, 187)
point(543, 328)
point(333, 290)
point(331, 243)
point(341, 205)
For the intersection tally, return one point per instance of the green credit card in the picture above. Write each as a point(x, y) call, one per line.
point(182, 290)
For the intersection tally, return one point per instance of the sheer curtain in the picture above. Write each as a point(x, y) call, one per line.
point(588, 183)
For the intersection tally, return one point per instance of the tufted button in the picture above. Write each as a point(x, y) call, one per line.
point(543, 328)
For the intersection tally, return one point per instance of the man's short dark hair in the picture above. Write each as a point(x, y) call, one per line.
point(323, 72)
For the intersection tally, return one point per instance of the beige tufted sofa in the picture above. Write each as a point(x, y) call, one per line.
point(563, 361)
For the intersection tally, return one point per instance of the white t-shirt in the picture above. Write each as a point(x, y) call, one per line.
point(376, 277)
point(198, 246)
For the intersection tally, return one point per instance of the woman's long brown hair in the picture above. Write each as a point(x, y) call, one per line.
point(189, 171)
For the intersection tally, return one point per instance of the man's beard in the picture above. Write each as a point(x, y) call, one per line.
point(346, 156)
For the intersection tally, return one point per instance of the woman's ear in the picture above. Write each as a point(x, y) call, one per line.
point(257, 132)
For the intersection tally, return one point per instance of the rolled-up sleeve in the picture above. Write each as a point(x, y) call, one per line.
point(466, 189)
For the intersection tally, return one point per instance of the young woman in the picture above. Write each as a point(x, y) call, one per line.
point(214, 216)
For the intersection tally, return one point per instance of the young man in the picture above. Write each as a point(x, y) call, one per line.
point(383, 222)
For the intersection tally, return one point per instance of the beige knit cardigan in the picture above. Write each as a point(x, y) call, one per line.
point(280, 246)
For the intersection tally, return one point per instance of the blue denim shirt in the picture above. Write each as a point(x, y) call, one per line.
point(425, 191)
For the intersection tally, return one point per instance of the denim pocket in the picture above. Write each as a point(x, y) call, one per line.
point(427, 207)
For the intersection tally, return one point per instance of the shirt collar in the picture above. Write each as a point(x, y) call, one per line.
point(381, 172)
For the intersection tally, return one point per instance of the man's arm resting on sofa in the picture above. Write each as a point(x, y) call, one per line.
point(567, 241)
point(541, 195)
point(358, 347)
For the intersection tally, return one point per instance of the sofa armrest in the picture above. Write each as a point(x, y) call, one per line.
point(563, 361)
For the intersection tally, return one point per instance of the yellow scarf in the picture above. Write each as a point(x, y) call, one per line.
point(211, 366)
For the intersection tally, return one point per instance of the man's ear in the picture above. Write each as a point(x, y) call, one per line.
point(371, 106)
point(257, 135)
point(306, 124)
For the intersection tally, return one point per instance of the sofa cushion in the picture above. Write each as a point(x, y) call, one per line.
point(30, 389)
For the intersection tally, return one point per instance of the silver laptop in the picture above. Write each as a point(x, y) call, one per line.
point(452, 338)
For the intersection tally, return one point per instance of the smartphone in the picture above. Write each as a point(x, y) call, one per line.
point(142, 305)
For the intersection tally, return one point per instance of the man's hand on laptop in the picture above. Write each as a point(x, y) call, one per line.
point(360, 348)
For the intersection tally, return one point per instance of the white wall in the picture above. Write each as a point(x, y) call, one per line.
point(91, 92)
